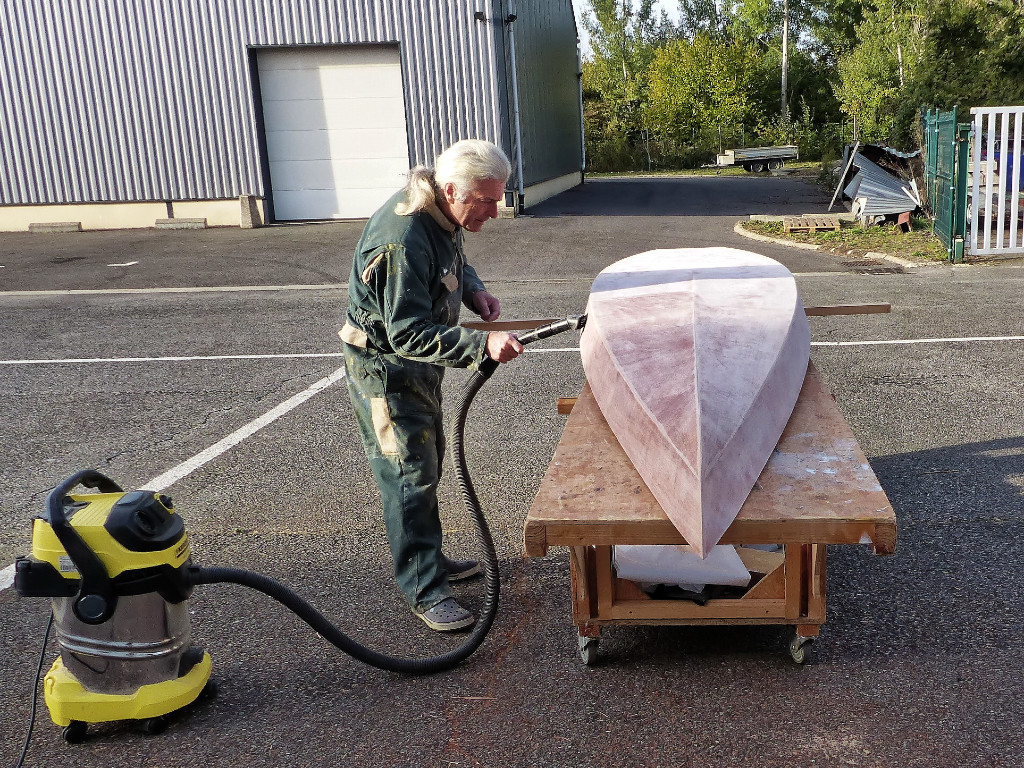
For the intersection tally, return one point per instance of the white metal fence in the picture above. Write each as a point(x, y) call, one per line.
point(996, 168)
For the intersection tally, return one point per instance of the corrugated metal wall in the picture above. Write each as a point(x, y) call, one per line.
point(133, 100)
point(546, 68)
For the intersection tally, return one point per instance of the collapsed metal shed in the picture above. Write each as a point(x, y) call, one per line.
point(875, 192)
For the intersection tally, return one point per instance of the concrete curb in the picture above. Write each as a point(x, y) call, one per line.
point(907, 265)
point(739, 230)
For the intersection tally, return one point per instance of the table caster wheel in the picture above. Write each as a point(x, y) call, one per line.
point(151, 726)
point(74, 732)
point(588, 650)
point(799, 647)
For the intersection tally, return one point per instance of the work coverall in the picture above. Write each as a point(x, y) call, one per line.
point(408, 280)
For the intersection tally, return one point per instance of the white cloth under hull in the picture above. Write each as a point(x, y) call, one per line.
point(696, 357)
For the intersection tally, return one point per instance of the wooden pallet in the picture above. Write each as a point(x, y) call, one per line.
point(810, 223)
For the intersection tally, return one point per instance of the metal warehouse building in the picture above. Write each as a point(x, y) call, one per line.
point(123, 113)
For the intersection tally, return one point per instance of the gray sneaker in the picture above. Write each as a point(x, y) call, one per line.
point(447, 616)
point(461, 569)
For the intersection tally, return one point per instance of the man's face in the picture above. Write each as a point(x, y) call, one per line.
point(480, 204)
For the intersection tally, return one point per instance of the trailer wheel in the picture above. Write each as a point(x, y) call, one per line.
point(757, 167)
point(774, 165)
point(747, 168)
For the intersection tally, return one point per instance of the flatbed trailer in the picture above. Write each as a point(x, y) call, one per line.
point(759, 159)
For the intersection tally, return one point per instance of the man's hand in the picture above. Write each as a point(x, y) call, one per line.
point(502, 347)
point(487, 306)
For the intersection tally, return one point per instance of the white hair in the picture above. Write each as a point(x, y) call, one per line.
point(463, 164)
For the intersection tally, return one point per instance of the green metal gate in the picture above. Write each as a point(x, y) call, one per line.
point(946, 145)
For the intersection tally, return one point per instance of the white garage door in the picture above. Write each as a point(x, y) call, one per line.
point(335, 130)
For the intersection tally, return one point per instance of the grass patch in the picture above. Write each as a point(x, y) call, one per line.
point(917, 245)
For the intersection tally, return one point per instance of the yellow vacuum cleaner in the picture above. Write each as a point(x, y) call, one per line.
point(115, 566)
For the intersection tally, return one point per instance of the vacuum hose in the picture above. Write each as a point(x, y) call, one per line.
point(308, 613)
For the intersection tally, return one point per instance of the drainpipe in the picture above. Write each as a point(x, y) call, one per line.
point(583, 138)
point(515, 104)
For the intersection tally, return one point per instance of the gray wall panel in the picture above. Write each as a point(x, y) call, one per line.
point(547, 66)
point(131, 100)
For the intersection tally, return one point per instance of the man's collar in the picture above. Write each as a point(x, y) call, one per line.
point(440, 218)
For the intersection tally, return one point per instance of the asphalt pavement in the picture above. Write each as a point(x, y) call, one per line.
point(136, 352)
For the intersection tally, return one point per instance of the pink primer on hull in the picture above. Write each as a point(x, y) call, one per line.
point(696, 357)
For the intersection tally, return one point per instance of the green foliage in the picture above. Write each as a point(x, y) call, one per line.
point(914, 53)
point(659, 94)
point(700, 86)
point(973, 54)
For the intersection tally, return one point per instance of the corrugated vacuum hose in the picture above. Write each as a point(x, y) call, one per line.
point(329, 631)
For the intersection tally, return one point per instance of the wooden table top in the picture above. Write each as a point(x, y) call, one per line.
point(816, 488)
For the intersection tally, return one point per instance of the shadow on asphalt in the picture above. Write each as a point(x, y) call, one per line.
point(976, 481)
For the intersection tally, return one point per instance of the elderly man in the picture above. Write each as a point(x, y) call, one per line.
point(408, 281)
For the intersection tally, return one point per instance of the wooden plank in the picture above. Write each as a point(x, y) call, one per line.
point(603, 580)
point(660, 610)
point(531, 323)
point(565, 405)
point(629, 590)
point(535, 537)
point(509, 325)
point(816, 596)
point(847, 309)
point(771, 587)
point(583, 606)
point(592, 494)
point(759, 561)
point(794, 582)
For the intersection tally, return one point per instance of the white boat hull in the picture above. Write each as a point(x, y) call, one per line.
point(696, 357)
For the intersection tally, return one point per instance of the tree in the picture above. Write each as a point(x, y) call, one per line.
point(874, 77)
point(704, 86)
point(623, 39)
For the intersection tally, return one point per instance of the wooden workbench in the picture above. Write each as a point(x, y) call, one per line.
point(817, 489)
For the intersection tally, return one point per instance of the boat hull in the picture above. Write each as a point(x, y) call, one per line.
point(696, 357)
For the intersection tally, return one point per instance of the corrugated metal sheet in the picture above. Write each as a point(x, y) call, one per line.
point(547, 68)
point(152, 100)
point(876, 192)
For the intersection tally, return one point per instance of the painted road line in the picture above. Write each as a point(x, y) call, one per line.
point(315, 355)
point(196, 289)
point(173, 475)
point(169, 359)
point(884, 342)
point(7, 577)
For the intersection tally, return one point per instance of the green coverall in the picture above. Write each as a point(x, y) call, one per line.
point(408, 280)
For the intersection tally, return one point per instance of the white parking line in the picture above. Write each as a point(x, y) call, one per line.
point(882, 342)
point(7, 577)
point(169, 359)
point(314, 355)
point(183, 289)
point(189, 466)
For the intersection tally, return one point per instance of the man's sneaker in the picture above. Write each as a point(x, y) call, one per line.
point(447, 616)
point(461, 569)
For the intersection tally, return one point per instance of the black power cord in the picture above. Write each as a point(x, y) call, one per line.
point(35, 692)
